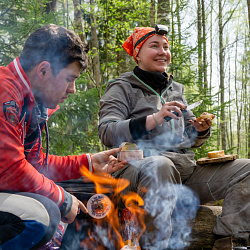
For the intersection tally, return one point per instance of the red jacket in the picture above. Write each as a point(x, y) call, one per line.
point(19, 168)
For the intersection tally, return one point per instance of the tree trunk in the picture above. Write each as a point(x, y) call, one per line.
point(95, 46)
point(248, 4)
point(222, 78)
point(67, 8)
point(106, 42)
point(152, 13)
point(248, 155)
point(78, 21)
point(245, 101)
point(64, 14)
point(204, 42)
point(211, 48)
point(202, 227)
point(178, 71)
point(178, 20)
point(248, 134)
point(218, 124)
point(50, 6)
point(163, 12)
point(173, 36)
point(230, 139)
point(199, 38)
point(246, 92)
point(237, 101)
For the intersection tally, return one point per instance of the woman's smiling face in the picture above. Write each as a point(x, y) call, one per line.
point(154, 55)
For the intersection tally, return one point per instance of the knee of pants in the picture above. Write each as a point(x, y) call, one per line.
point(27, 220)
point(161, 169)
point(54, 220)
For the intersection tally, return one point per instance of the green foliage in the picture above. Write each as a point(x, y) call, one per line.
point(17, 20)
point(72, 130)
point(115, 20)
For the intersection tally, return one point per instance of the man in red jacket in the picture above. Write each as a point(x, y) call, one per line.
point(31, 87)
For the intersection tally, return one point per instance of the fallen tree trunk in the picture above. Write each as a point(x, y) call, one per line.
point(202, 227)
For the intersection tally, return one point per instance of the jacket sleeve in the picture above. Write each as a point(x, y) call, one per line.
point(60, 168)
point(114, 115)
point(16, 173)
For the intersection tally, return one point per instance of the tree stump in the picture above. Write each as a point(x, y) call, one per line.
point(202, 227)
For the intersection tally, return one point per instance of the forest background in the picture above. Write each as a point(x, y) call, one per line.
point(209, 42)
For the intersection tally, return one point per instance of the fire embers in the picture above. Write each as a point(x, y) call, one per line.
point(130, 229)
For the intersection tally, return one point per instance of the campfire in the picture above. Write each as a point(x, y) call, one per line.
point(123, 230)
point(118, 227)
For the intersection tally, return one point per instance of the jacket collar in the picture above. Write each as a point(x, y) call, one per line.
point(130, 78)
point(16, 68)
point(155, 80)
point(19, 73)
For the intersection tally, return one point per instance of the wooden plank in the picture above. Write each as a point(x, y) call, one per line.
point(225, 158)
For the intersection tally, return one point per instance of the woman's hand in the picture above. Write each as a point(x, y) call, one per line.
point(202, 124)
point(167, 110)
point(169, 107)
point(105, 161)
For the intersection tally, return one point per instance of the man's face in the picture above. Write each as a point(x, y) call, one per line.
point(54, 89)
point(154, 55)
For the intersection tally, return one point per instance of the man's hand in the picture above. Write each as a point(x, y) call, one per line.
point(76, 205)
point(105, 161)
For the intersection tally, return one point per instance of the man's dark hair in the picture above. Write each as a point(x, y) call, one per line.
point(55, 44)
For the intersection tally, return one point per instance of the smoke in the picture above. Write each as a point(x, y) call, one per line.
point(171, 208)
point(167, 141)
point(101, 237)
point(185, 211)
point(89, 234)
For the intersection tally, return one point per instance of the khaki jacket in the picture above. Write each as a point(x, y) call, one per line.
point(126, 98)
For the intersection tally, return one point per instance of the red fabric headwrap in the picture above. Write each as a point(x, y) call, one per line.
point(138, 33)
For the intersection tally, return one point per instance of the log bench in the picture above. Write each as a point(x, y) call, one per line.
point(202, 227)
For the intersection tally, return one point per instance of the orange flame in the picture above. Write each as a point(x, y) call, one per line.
point(100, 179)
point(105, 183)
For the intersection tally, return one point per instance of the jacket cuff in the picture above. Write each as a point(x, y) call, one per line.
point(67, 203)
point(91, 169)
point(137, 127)
point(204, 134)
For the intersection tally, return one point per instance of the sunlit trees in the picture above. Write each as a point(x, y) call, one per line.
point(209, 42)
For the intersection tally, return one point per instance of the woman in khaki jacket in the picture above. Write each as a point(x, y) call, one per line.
point(134, 109)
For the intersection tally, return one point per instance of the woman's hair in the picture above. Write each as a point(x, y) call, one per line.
point(55, 44)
